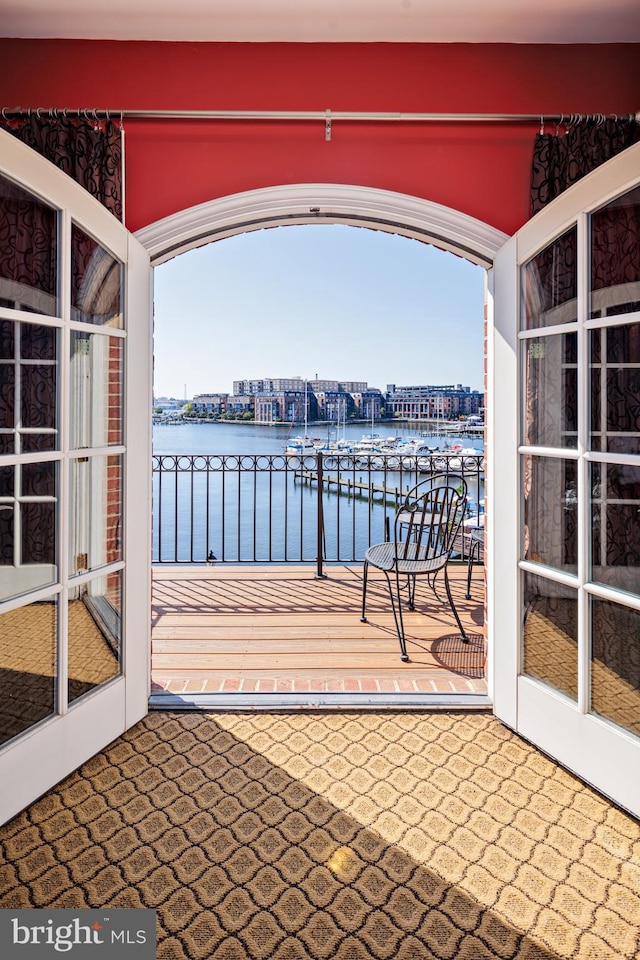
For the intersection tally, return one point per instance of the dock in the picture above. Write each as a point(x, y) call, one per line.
point(353, 487)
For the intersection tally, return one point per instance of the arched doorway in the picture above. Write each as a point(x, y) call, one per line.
point(331, 203)
point(317, 204)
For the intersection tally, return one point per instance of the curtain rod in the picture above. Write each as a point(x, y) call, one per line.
point(121, 113)
point(326, 116)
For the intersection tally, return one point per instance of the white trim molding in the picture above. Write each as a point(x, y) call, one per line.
point(322, 203)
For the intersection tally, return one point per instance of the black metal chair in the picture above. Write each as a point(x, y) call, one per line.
point(425, 530)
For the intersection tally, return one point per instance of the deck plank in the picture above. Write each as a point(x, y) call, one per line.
point(243, 624)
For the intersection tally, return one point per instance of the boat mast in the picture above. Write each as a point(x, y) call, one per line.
point(305, 408)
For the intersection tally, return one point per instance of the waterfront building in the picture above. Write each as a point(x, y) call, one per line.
point(286, 406)
point(267, 385)
point(427, 402)
point(368, 404)
point(333, 404)
point(214, 403)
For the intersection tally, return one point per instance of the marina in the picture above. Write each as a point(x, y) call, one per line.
point(231, 494)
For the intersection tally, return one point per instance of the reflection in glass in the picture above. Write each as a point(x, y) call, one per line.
point(38, 396)
point(28, 252)
point(7, 340)
point(551, 385)
point(96, 282)
point(615, 526)
point(27, 528)
point(550, 634)
point(28, 380)
point(549, 284)
point(615, 257)
point(550, 512)
point(96, 527)
point(7, 395)
point(95, 635)
point(615, 389)
point(27, 667)
point(7, 485)
point(37, 342)
point(615, 663)
point(96, 390)
point(38, 479)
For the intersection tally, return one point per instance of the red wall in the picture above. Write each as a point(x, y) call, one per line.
point(481, 169)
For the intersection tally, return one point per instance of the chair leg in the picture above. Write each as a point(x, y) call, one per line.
point(365, 571)
point(397, 616)
point(465, 638)
point(468, 593)
point(411, 590)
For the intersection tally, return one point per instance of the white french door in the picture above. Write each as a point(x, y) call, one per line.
point(564, 481)
point(75, 373)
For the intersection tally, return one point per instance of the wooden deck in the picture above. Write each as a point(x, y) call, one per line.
point(277, 629)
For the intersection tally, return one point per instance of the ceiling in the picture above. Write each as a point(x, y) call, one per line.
point(442, 21)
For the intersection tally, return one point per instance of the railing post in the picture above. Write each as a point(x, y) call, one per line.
point(320, 514)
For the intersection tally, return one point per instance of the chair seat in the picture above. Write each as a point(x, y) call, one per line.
point(416, 561)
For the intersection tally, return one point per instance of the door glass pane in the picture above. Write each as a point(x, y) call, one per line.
point(615, 389)
point(550, 512)
point(96, 390)
point(28, 379)
point(615, 525)
point(27, 667)
point(615, 663)
point(615, 257)
point(551, 391)
point(28, 252)
point(96, 282)
point(27, 527)
point(95, 615)
point(550, 634)
point(96, 501)
point(549, 284)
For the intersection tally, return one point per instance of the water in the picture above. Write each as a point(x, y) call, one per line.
point(224, 437)
point(253, 514)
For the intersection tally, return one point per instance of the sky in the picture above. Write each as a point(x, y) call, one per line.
point(339, 302)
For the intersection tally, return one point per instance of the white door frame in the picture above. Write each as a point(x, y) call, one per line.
point(42, 755)
point(606, 756)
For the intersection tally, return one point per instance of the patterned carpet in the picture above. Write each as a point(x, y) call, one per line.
point(308, 836)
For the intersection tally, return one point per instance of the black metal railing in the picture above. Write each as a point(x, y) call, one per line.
point(277, 508)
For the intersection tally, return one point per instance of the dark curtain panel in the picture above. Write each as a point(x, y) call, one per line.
point(90, 151)
point(561, 159)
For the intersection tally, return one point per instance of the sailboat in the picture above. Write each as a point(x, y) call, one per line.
point(299, 446)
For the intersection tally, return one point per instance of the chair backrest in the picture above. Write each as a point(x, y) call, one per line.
point(427, 523)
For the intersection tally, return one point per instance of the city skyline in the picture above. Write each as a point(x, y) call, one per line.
point(330, 300)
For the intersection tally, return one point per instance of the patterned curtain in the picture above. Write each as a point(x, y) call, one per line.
point(90, 151)
point(561, 159)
